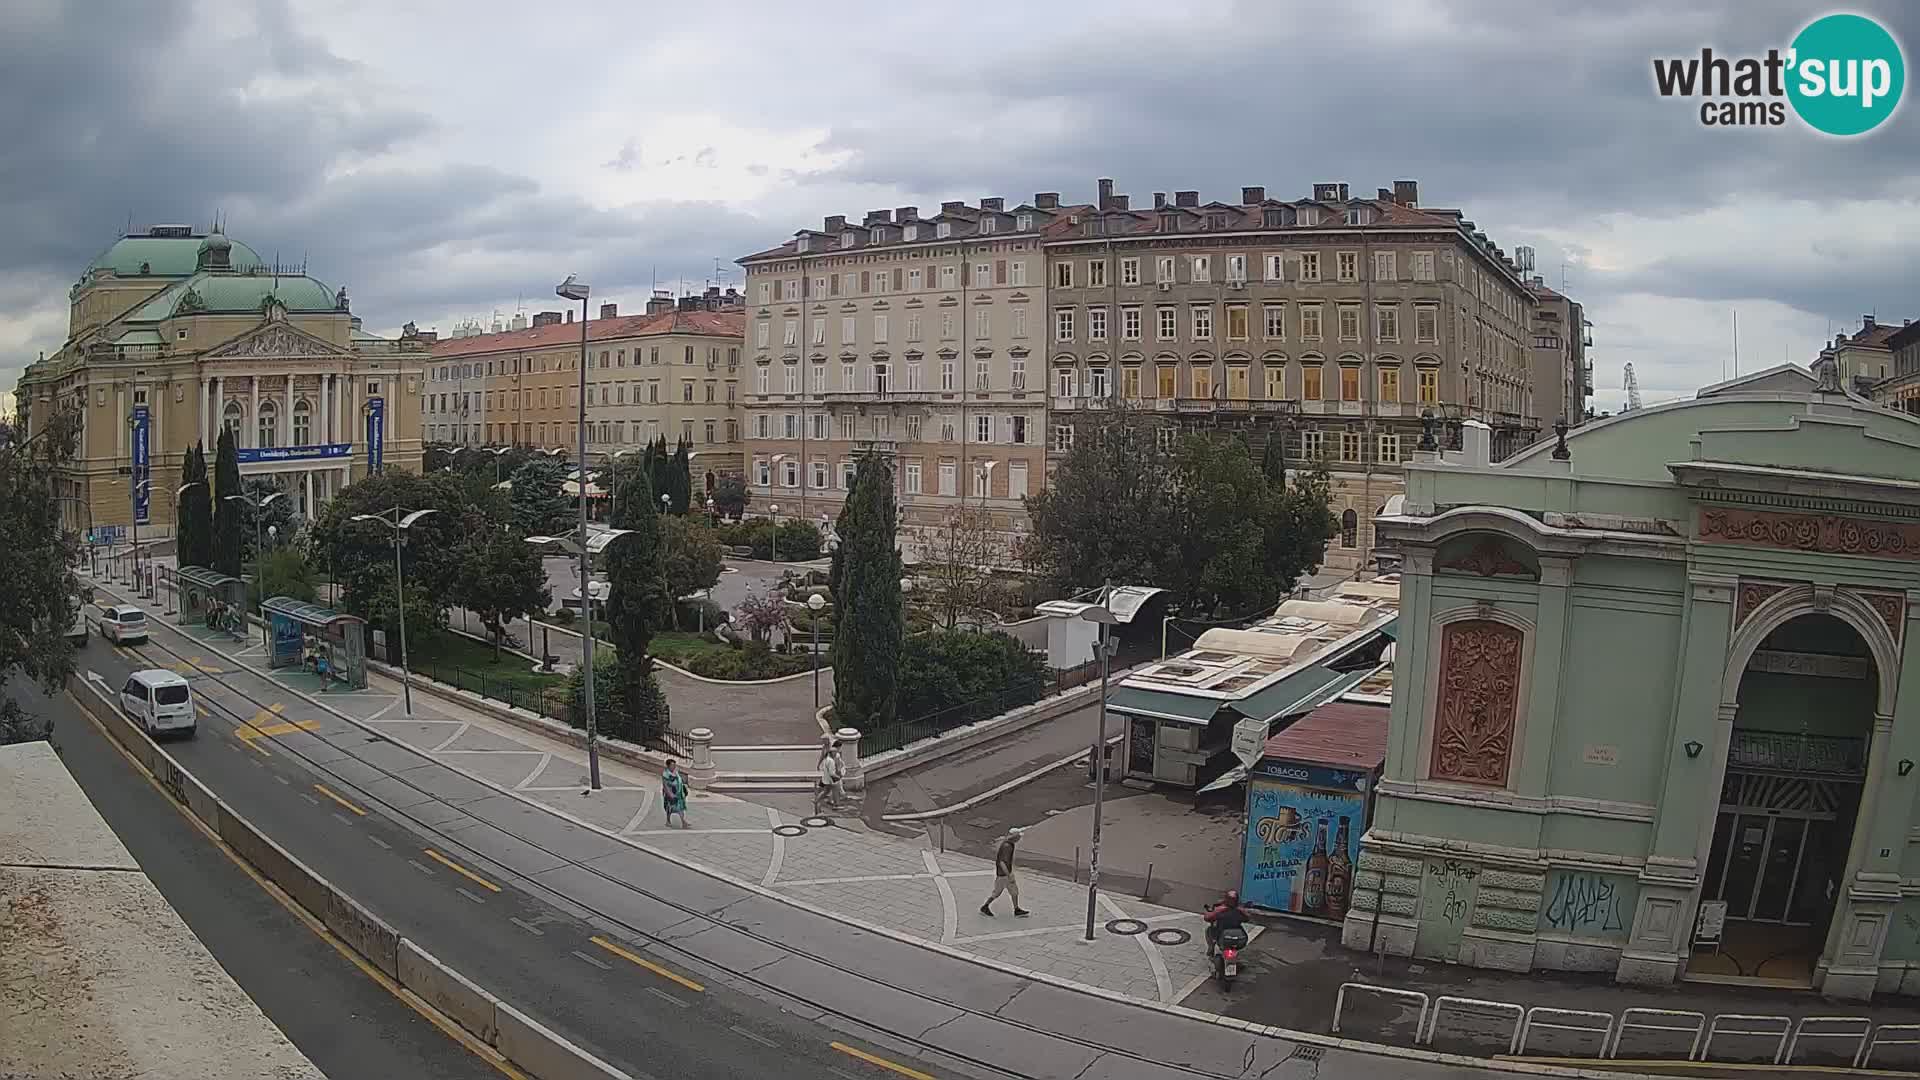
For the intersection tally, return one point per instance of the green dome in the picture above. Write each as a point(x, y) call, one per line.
point(236, 294)
point(166, 256)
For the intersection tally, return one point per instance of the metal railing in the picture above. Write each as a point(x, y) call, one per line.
point(1786, 752)
point(940, 721)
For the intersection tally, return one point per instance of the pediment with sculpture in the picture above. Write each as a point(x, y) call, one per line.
point(275, 340)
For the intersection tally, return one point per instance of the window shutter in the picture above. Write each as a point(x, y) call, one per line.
point(866, 281)
point(899, 279)
point(833, 284)
point(999, 271)
point(933, 276)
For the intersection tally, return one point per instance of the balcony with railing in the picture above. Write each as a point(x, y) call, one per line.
point(1783, 752)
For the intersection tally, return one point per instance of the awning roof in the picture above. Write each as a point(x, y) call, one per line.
point(309, 614)
point(1182, 707)
point(208, 578)
point(1299, 692)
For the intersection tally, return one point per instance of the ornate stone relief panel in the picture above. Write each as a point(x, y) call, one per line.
point(1478, 702)
point(1827, 534)
point(1488, 557)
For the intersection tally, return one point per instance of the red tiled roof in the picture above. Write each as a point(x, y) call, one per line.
point(710, 323)
point(1874, 336)
point(1339, 734)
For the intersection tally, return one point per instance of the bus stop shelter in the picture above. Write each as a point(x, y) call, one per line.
point(210, 598)
point(328, 643)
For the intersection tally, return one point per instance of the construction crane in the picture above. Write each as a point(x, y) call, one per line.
point(1632, 386)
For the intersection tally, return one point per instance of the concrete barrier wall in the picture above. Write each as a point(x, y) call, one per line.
point(522, 1040)
point(966, 738)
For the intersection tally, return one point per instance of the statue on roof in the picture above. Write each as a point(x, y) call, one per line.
point(340, 299)
point(190, 303)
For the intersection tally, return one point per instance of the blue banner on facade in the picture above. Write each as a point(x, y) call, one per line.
point(376, 432)
point(1301, 846)
point(142, 464)
point(293, 453)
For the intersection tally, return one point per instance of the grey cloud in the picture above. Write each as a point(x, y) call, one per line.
point(628, 159)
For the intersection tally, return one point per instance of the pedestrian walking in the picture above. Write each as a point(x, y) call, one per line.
point(829, 791)
point(1003, 879)
point(673, 793)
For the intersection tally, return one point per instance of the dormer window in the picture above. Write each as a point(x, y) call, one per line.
point(943, 230)
point(1356, 215)
point(910, 232)
point(1023, 222)
point(876, 235)
point(1169, 223)
point(846, 239)
point(1276, 218)
point(1216, 221)
point(1310, 215)
point(800, 243)
point(988, 224)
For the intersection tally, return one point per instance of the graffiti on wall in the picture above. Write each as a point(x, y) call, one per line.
point(1587, 904)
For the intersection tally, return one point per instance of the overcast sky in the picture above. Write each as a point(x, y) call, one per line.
point(444, 159)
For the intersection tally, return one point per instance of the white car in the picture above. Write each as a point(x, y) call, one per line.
point(124, 624)
point(159, 701)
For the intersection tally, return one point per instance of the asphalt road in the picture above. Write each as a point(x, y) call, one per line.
point(340, 1018)
point(512, 938)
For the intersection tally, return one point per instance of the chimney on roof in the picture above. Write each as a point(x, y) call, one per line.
point(950, 207)
point(1106, 193)
point(835, 222)
point(1159, 200)
point(1046, 200)
point(907, 214)
point(879, 217)
point(1325, 191)
point(545, 318)
point(1866, 323)
point(1252, 196)
point(1186, 198)
point(609, 311)
point(1406, 192)
point(995, 203)
point(569, 314)
point(1384, 195)
point(1120, 201)
point(427, 337)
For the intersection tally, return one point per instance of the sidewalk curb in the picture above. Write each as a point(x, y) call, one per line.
point(1311, 1038)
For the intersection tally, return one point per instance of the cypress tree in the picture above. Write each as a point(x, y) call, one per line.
point(195, 541)
point(227, 544)
point(1273, 461)
point(680, 477)
point(869, 612)
point(636, 604)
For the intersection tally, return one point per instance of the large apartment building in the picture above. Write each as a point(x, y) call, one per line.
point(1562, 374)
point(969, 344)
point(923, 337)
point(671, 373)
point(1333, 321)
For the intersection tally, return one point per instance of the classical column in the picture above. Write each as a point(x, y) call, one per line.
point(310, 507)
point(216, 412)
point(121, 412)
point(286, 415)
point(251, 435)
point(327, 387)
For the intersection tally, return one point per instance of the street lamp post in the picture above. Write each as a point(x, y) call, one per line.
point(259, 552)
point(1103, 615)
point(575, 289)
point(581, 547)
point(399, 525)
point(816, 604)
point(775, 509)
point(172, 597)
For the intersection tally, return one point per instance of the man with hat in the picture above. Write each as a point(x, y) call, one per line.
point(1003, 879)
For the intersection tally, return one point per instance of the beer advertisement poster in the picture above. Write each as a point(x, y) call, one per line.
point(1301, 847)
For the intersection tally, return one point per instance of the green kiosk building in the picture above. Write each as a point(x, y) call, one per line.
point(1652, 713)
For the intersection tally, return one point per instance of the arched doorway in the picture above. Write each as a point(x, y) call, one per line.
point(1790, 799)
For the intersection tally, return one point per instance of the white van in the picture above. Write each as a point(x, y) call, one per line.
point(123, 624)
point(159, 701)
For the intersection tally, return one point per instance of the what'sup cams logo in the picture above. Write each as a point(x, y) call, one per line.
point(1843, 75)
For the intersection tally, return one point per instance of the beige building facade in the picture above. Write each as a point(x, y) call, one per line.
point(920, 337)
point(1330, 321)
point(1562, 373)
point(175, 335)
point(672, 374)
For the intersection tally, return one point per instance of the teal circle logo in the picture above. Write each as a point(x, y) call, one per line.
point(1846, 76)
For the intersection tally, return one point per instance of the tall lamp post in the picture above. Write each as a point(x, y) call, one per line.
point(575, 289)
point(133, 515)
point(816, 604)
point(775, 510)
point(1102, 614)
point(259, 551)
point(400, 524)
point(585, 546)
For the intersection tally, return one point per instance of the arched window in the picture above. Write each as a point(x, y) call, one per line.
point(232, 418)
point(1349, 529)
point(302, 423)
point(269, 424)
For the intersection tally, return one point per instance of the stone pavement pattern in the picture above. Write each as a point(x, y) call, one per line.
point(870, 879)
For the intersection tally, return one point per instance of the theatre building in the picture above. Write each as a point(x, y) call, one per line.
point(1652, 712)
point(175, 335)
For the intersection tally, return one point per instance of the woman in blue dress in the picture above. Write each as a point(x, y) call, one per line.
point(673, 793)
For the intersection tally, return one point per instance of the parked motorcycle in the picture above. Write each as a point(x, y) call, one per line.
point(1226, 957)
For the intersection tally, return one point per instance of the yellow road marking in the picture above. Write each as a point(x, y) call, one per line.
point(875, 1059)
point(413, 1001)
point(648, 964)
point(329, 793)
point(202, 710)
point(461, 870)
point(263, 726)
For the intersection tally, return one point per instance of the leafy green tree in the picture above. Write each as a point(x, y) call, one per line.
point(38, 592)
point(1243, 539)
point(278, 524)
point(286, 572)
point(503, 580)
point(540, 506)
point(981, 673)
point(730, 495)
point(229, 541)
point(436, 456)
point(637, 602)
point(691, 558)
point(871, 621)
point(360, 557)
point(1108, 512)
